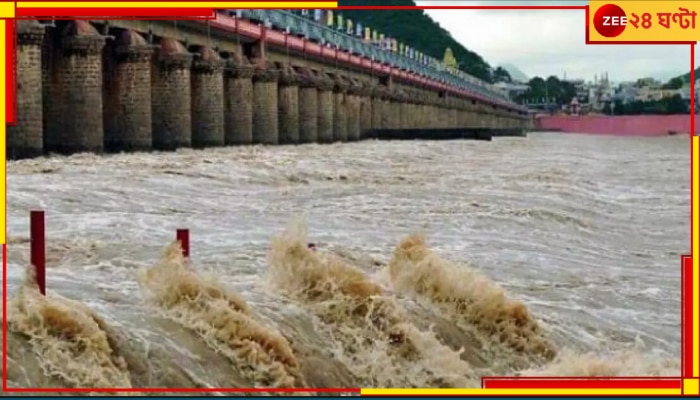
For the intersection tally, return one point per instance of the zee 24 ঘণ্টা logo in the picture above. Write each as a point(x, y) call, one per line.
point(611, 20)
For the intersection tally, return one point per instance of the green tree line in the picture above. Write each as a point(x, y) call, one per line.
point(552, 89)
point(668, 105)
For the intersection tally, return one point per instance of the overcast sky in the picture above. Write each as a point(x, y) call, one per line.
point(552, 42)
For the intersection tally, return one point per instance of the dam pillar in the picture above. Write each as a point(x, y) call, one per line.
point(464, 113)
point(385, 106)
point(207, 99)
point(419, 104)
point(127, 87)
point(403, 116)
point(407, 114)
point(340, 109)
point(436, 113)
point(398, 100)
point(288, 97)
point(449, 112)
point(308, 106)
point(325, 108)
point(394, 102)
point(442, 110)
point(26, 138)
point(405, 109)
point(503, 119)
point(238, 100)
point(425, 111)
point(353, 100)
point(493, 117)
point(475, 115)
point(420, 109)
point(265, 105)
point(462, 118)
point(454, 112)
point(485, 116)
point(171, 100)
point(74, 119)
point(428, 111)
point(365, 95)
point(376, 106)
point(433, 115)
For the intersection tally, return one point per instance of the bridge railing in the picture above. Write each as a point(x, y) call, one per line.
point(301, 26)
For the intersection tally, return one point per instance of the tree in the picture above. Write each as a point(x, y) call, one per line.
point(501, 75)
point(552, 89)
point(673, 83)
point(675, 105)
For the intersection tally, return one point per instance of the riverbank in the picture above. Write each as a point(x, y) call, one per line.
point(619, 125)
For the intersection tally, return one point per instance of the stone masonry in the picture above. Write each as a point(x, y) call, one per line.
point(340, 116)
point(78, 91)
point(171, 96)
point(308, 106)
point(207, 99)
point(325, 108)
point(128, 122)
point(26, 139)
point(74, 120)
point(288, 107)
point(238, 101)
point(265, 106)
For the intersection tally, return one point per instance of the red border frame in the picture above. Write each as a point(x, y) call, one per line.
point(487, 382)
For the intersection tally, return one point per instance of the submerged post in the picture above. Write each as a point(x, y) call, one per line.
point(38, 247)
point(183, 236)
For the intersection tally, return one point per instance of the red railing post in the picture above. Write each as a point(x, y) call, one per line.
point(38, 247)
point(183, 236)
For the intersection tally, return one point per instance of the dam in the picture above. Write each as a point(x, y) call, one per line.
point(246, 77)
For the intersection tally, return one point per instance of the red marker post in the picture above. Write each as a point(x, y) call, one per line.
point(183, 236)
point(38, 247)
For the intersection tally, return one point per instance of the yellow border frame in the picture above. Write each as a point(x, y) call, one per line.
point(690, 386)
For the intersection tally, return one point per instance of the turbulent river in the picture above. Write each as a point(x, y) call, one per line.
point(436, 263)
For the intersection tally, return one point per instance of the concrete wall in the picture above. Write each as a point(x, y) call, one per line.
point(632, 125)
point(141, 85)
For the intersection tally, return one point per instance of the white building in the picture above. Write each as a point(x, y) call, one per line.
point(512, 90)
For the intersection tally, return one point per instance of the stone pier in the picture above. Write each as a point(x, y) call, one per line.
point(74, 116)
point(238, 100)
point(354, 112)
point(288, 97)
point(171, 96)
point(26, 139)
point(308, 106)
point(340, 109)
point(207, 99)
point(265, 105)
point(325, 104)
point(127, 93)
